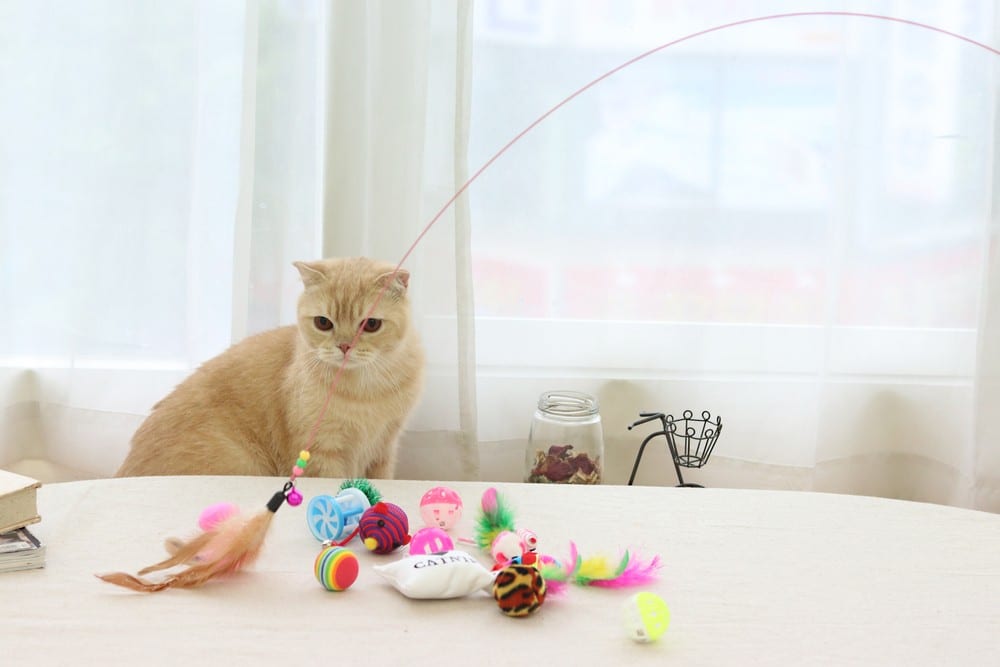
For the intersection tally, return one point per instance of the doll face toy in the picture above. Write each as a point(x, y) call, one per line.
point(441, 508)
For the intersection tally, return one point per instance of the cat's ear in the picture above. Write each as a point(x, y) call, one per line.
point(311, 272)
point(398, 280)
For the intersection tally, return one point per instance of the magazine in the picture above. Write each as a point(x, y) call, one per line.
point(20, 550)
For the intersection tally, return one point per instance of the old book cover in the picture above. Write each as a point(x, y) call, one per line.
point(18, 501)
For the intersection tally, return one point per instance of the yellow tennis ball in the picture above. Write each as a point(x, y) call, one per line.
point(646, 617)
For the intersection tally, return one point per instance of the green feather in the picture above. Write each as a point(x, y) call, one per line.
point(485, 531)
point(621, 566)
point(364, 486)
point(553, 573)
point(491, 523)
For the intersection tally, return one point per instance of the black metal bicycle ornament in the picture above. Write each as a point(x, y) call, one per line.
point(690, 440)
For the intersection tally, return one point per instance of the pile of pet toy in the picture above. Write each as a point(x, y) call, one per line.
point(519, 576)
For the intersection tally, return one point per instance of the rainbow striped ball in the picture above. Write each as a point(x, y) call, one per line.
point(336, 568)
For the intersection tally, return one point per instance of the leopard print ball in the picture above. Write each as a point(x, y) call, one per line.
point(519, 590)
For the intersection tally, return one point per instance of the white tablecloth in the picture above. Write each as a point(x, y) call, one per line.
point(751, 577)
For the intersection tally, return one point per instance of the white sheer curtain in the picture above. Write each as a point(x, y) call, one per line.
point(788, 223)
point(162, 167)
point(986, 415)
point(119, 183)
point(395, 152)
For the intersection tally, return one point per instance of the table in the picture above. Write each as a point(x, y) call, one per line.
point(751, 577)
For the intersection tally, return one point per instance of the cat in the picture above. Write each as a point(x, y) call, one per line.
point(251, 410)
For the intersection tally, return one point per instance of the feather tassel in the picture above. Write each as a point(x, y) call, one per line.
point(225, 549)
point(495, 516)
point(634, 572)
point(598, 571)
point(555, 574)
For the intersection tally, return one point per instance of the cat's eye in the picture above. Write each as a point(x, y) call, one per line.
point(372, 325)
point(322, 323)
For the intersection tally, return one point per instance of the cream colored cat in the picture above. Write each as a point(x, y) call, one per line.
point(250, 410)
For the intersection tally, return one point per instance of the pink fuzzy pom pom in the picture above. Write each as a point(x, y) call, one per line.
point(489, 500)
point(215, 514)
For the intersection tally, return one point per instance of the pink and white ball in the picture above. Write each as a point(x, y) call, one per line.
point(441, 507)
point(430, 540)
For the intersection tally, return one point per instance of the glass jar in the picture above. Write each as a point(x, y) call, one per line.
point(566, 442)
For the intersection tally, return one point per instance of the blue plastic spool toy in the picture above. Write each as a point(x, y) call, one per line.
point(331, 517)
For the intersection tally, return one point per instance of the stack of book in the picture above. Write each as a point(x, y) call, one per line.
point(19, 548)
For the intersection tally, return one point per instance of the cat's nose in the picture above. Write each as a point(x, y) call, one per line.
point(344, 347)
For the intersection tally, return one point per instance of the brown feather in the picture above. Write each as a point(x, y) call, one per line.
point(128, 581)
point(232, 546)
point(186, 551)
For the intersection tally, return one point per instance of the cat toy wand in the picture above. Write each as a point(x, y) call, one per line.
point(235, 542)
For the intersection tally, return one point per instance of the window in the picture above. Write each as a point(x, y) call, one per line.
point(803, 198)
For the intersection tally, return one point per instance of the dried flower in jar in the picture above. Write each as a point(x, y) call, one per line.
point(561, 465)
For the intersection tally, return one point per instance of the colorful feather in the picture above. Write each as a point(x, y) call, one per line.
point(555, 574)
point(495, 516)
point(599, 571)
point(592, 569)
point(633, 572)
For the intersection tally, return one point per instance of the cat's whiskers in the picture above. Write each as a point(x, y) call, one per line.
point(312, 365)
point(318, 363)
point(384, 373)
